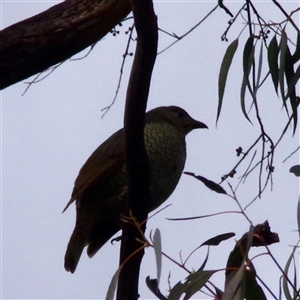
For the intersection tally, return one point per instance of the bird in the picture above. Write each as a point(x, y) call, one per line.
point(101, 186)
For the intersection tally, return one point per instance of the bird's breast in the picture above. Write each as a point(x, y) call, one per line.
point(166, 149)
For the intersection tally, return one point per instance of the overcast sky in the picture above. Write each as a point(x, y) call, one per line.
point(48, 133)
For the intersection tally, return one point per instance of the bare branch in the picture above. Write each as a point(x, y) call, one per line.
point(136, 158)
point(126, 53)
point(51, 37)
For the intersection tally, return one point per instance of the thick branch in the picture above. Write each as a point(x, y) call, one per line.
point(51, 37)
point(136, 157)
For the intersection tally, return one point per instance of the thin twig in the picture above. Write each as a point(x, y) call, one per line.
point(230, 23)
point(189, 31)
point(107, 108)
point(297, 292)
point(205, 216)
point(286, 15)
point(243, 177)
point(291, 154)
point(36, 79)
point(240, 161)
point(86, 55)
point(220, 2)
point(242, 211)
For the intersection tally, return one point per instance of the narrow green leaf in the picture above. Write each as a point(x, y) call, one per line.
point(296, 55)
point(240, 252)
point(195, 282)
point(157, 250)
point(113, 285)
point(298, 216)
point(216, 240)
point(285, 283)
point(289, 76)
point(248, 58)
point(295, 281)
point(242, 95)
point(205, 260)
point(252, 289)
point(235, 267)
point(235, 289)
point(225, 65)
point(260, 60)
point(292, 84)
point(153, 287)
point(273, 52)
point(295, 170)
point(283, 49)
point(177, 291)
point(208, 183)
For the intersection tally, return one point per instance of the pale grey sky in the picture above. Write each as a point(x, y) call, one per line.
point(48, 134)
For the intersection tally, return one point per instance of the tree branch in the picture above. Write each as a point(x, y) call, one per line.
point(135, 153)
point(35, 44)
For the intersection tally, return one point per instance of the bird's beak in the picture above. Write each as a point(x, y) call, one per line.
point(197, 124)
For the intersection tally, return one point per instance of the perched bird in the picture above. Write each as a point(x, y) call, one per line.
point(101, 185)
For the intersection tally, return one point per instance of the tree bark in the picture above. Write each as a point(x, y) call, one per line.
point(137, 165)
point(35, 44)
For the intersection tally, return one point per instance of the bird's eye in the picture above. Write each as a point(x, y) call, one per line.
point(180, 114)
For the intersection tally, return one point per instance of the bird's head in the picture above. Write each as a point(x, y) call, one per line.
point(177, 116)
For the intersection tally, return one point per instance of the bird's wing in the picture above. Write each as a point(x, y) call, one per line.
point(107, 158)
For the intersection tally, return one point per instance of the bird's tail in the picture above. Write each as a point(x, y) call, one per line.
point(75, 247)
point(100, 234)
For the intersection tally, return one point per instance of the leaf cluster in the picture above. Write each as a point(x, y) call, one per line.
point(240, 274)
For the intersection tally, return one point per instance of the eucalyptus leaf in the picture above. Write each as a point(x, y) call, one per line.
point(242, 96)
point(260, 61)
point(225, 65)
point(153, 287)
point(208, 183)
point(290, 76)
point(216, 240)
point(113, 285)
point(193, 283)
point(298, 215)
point(248, 59)
point(252, 289)
point(196, 281)
point(285, 283)
point(296, 55)
point(273, 52)
point(293, 82)
point(295, 170)
point(283, 49)
point(157, 250)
